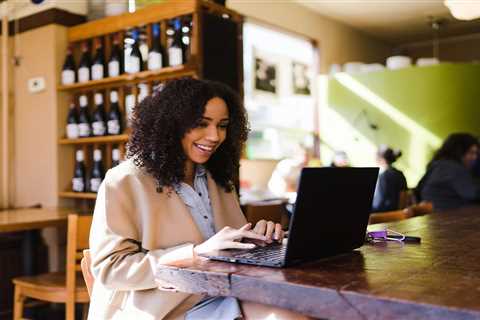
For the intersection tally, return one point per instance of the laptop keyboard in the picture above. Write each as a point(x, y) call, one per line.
point(274, 251)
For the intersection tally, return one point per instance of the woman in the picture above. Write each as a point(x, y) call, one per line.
point(448, 182)
point(172, 199)
point(390, 181)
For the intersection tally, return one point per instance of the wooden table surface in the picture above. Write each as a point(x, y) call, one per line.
point(437, 279)
point(28, 219)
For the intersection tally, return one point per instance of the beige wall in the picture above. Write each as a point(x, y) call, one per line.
point(338, 43)
point(22, 8)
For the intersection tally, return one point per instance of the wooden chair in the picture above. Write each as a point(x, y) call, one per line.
point(267, 210)
point(389, 216)
point(60, 287)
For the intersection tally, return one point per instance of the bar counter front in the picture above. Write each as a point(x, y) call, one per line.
point(437, 279)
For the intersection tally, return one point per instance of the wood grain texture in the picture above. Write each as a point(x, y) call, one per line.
point(28, 219)
point(437, 279)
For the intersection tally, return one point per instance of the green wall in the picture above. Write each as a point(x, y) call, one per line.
point(414, 108)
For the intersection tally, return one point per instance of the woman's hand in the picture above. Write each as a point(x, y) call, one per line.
point(229, 238)
point(271, 230)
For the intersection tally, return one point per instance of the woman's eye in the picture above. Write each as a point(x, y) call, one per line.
point(202, 125)
point(223, 126)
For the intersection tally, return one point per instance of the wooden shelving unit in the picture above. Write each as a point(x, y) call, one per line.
point(215, 52)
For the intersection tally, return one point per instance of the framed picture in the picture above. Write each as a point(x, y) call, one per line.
point(300, 78)
point(265, 75)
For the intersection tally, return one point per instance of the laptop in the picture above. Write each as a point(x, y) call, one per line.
point(330, 217)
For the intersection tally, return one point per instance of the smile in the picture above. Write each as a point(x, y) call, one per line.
point(204, 148)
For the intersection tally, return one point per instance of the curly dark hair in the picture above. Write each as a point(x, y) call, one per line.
point(455, 147)
point(162, 119)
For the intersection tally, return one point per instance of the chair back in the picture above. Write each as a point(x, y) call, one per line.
point(77, 240)
point(389, 216)
point(268, 210)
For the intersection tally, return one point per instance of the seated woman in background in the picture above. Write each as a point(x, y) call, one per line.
point(340, 160)
point(173, 199)
point(448, 182)
point(390, 181)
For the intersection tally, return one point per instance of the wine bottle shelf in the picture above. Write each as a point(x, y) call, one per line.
point(91, 140)
point(78, 195)
point(149, 75)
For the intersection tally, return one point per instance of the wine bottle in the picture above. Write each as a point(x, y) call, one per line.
point(78, 181)
point(143, 91)
point(98, 66)
point(175, 51)
point(115, 64)
point(84, 129)
point(186, 34)
point(133, 56)
point(72, 122)
point(68, 69)
point(155, 56)
point(85, 64)
point(114, 123)
point(98, 122)
point(129, 105)
point(97, 173)
point(115, 157)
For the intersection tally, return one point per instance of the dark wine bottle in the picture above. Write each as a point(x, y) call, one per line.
point(115, 157)
point(175, 51)
point(85, 64)
point(156, 54)
point(97, 173)
point(79, 179)
point(69, 69)
point(98, 123)
point(115, 64)
point(84, 129)
point(186, 35)
point(114, 120)
point(133, 56)
point(98, 66)
point(72, 122)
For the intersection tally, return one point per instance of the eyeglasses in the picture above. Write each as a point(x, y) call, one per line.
point(385, 235)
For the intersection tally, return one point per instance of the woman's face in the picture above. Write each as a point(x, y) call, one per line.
point(470, 156)
point(201, 142)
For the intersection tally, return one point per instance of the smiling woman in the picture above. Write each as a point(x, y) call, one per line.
point(172, 199)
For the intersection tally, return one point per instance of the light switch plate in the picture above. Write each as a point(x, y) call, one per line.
point(36, 84)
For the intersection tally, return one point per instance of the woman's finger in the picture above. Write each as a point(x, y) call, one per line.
point(248, 226)
point(238, 245)
point(270, 230)
point(260, 227)
point(251, 235)
point(278, 233)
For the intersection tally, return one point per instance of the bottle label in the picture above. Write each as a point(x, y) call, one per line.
point(68, 77)
point(132, 64)
point(83, 74)
point(97, 72)
point(154, 60)
point(78, 185)
point(98, 128)
point(72, 131)
point(95, 184)
point(113, 68)
point(83, 129)
point(113, 127)
point(175, 56)
point(129, 105)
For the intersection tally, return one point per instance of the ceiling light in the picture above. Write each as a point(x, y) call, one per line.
point(464, 9)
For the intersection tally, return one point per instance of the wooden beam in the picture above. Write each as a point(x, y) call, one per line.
point(5, 108)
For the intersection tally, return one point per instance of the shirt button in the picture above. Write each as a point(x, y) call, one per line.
point(205, 217)
point(200, 194)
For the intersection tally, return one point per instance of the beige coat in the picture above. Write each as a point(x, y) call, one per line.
point(130, 218)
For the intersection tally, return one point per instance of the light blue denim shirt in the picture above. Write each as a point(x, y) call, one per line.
point(198, 202)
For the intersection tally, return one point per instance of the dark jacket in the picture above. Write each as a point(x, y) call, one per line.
point(387, 191)
point(448, 184)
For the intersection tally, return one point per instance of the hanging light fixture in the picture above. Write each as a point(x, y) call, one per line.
point(463, 9)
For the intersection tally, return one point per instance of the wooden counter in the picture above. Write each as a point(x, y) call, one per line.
point(437, 279)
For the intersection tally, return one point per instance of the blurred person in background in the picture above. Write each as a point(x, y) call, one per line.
point(449, 182)
point(340, 159)
point(390, 183)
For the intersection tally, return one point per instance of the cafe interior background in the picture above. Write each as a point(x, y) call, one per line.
point(331, 75)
